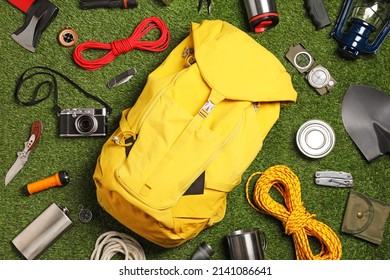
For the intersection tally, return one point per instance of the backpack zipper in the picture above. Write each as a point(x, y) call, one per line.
point(227, 140)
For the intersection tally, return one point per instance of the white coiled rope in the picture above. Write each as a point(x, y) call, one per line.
point(112, 242)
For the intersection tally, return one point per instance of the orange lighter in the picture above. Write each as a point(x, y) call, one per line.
point(59, 179)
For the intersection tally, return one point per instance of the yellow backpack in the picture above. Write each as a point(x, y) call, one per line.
point(198, 124)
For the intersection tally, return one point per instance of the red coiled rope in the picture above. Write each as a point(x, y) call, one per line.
point(118, 47)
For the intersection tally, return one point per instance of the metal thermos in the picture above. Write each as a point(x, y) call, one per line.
point(247, 244)
point(262, 14)
point(42, 232)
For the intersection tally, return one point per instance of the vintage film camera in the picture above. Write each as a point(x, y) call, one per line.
point(82, 122)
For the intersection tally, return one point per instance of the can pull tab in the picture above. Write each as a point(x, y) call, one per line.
point(338, 179)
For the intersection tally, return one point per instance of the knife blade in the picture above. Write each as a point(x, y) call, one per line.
point(29, 145)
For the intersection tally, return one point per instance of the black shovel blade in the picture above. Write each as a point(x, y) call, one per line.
point(366, 118)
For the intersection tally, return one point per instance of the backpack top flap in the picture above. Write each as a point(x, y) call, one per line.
point(238, 67)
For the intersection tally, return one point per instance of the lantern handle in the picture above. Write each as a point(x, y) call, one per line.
point(341, 19)
point(374, 47)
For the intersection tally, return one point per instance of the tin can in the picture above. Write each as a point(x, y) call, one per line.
point(42, 232)
point(315, 139)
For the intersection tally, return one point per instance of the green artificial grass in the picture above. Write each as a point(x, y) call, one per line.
point(78, 156)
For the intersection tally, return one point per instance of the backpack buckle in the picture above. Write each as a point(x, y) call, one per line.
point(206, 109)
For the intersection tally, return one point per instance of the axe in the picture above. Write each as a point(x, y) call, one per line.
point(39, 15)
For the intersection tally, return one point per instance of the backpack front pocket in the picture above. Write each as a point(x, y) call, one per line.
point(181, 147)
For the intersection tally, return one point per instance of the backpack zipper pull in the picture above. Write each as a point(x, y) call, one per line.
point(120, 138)
point(188, 54)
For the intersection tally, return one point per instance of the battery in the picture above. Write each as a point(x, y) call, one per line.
point(42, 232)
point(315, 139)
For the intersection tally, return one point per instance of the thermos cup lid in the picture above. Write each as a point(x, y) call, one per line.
point(315, 139)
point(262, 14)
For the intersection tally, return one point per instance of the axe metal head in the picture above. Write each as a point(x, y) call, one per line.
point(38, 18)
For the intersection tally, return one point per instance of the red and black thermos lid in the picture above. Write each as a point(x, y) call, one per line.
point(262, 14)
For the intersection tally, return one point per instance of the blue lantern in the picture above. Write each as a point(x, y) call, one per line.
point(366, 19)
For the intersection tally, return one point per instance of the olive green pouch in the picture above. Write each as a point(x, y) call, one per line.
point(365, 217)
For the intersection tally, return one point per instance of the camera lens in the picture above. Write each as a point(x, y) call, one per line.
point(86, 124)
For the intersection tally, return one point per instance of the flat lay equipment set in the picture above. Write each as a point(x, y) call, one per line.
point(251, 129)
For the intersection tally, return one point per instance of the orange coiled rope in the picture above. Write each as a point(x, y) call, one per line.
point(118, 47)
point(296, 220)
